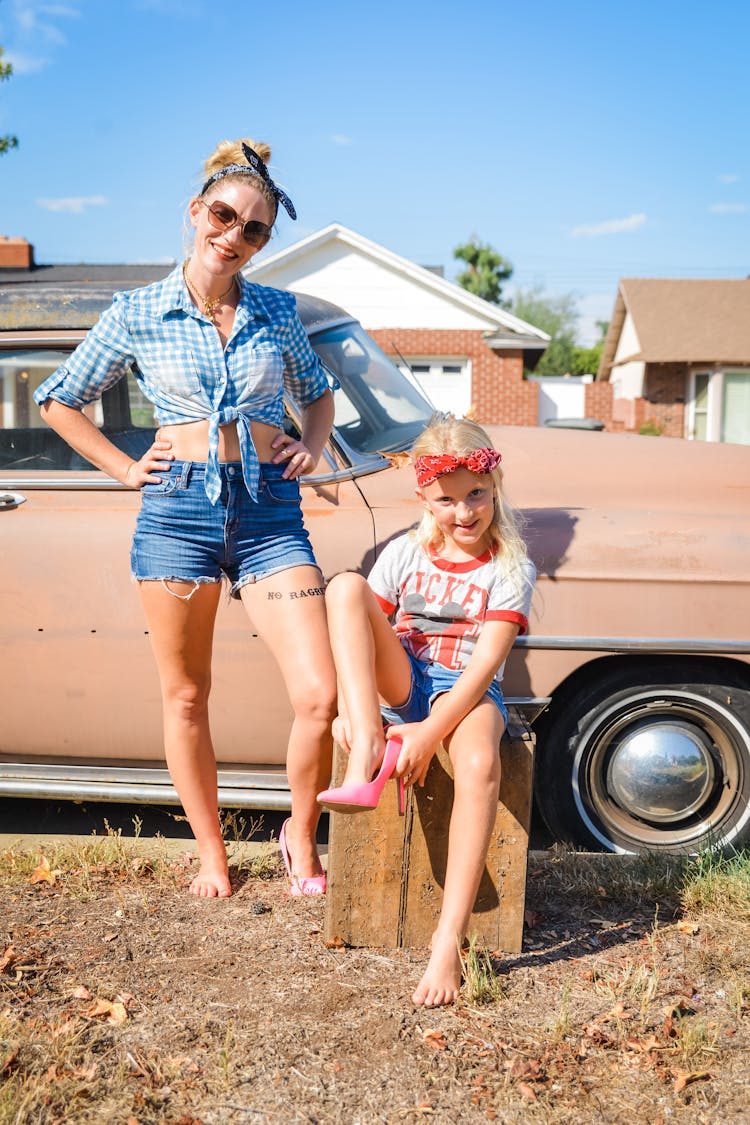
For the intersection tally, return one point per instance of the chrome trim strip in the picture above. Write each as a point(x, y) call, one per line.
point(268, 800)
point(253, 789)
point(95, 483)
point(124, 785)
point(637, 644)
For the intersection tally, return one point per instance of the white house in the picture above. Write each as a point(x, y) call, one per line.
point(465, 352)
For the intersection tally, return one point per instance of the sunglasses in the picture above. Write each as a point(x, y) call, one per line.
point(223, 217)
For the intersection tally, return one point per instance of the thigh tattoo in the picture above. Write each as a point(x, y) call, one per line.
point(293, 595)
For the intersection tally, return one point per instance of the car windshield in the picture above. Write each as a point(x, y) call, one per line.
point(377, 408)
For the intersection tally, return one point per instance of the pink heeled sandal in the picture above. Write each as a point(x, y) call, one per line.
point(300, 884)
point(365, 796)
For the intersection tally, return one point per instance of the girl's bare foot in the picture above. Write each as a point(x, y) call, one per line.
point(442, 977)
point(212, 881)
point(365, 758)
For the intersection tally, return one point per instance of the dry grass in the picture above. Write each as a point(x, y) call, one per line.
point(125, 1000)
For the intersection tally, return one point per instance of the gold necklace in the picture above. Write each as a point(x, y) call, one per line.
point(210, 304)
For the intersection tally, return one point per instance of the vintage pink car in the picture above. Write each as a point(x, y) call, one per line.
point(636, 669)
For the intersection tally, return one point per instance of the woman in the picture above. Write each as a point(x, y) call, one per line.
point(220, 495)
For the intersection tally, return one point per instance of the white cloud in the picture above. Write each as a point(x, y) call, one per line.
point(728, 208)
point(610, 226)
point(729, 178)
point(73, 205)
point(26, 64)
point(340, 139)
point(35, 20)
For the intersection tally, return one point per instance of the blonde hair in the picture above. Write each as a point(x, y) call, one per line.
point(460, 436)
point(230, 152)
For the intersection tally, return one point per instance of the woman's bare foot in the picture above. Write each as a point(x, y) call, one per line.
point(442, 977)
point(212, 881)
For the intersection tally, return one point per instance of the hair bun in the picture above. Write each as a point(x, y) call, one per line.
point(230, 152)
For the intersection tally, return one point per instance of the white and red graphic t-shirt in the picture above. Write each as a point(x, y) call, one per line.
point(439, 607)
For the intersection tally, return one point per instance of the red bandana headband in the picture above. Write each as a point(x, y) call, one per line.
point(432, 466)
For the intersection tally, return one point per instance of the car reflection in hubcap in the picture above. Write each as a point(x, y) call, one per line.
point(661, 771)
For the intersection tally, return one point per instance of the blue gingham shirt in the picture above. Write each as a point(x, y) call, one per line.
point(177, 358)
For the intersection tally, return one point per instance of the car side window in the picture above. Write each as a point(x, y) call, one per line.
point(28, 444)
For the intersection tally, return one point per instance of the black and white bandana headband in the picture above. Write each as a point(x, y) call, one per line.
point(257, 168)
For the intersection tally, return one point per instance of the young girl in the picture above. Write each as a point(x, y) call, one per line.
point(457, 589)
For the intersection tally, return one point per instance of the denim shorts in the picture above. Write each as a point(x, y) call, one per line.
point(428, 681)
point(181, 536)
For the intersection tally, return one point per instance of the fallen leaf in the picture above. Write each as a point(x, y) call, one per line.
point(399, 460)
point(618, 1013)
point(526, 1092)
point(683, 1078)
point(650, 1044)
point(335, 943)
point(42, 873)
point(112, 936)
point(688, 927)
point(64, 1028)
point(82, 993)
point(7, 958)
point(112, 1012)
point(672, 1014)
point(531, 919)
point(435, 1038)
point(525, 1068)
point(8, 1061)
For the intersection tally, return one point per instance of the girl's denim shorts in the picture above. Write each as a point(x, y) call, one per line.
point(428, 681)
point(181, 536)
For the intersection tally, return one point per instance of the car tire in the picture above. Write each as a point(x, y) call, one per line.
point(652, 757)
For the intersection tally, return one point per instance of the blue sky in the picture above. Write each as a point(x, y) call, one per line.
point(586, 141)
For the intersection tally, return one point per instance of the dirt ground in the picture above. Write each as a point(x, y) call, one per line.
point(125, 1000)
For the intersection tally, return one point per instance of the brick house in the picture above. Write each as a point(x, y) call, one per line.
point(677, 358)
point(464, 351)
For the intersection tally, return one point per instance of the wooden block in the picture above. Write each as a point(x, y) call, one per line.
point(386, 873)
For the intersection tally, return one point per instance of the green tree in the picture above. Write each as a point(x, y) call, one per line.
point(487, 270)
point(8, 141)
point(586, 360)
point(558, 317)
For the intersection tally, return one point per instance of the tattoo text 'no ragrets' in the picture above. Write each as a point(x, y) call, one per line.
point(310, 592)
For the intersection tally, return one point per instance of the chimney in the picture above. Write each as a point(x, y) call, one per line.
point(16, 253)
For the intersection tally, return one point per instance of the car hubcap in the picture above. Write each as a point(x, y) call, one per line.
point(661, 772)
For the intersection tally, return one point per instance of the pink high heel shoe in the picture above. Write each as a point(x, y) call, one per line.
point(300, 884)
point(365, 796)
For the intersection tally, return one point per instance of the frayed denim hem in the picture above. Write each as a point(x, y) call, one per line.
point(197, 582)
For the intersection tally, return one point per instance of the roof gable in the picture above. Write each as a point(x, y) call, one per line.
point(681, 320)
point(336, 248)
